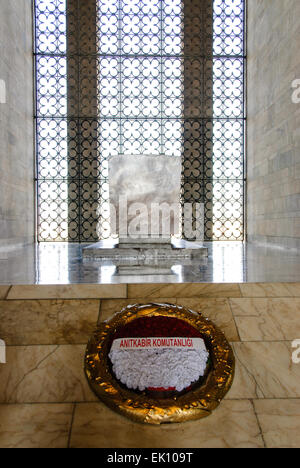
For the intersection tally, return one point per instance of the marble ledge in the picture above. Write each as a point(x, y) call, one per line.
point(276, 289)
point(70, 291)
point(150, 290)
point(186, 290)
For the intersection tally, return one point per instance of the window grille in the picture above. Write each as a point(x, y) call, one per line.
point(138, 76)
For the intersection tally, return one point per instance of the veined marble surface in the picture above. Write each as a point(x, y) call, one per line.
point(45, 400)
point(226, 263)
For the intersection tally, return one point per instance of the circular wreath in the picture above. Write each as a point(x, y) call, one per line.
point(196, 403)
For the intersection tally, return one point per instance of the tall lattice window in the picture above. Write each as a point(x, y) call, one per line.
point(133, 77)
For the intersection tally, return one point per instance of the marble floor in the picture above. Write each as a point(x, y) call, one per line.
point(45, 400)
point(226, 263)
point(51, 300)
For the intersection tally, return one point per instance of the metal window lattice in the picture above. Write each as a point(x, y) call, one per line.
point(133, 77)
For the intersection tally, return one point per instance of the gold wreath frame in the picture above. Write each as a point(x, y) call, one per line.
point(194, 404)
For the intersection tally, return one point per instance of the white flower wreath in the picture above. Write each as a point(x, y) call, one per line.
point(158, 368)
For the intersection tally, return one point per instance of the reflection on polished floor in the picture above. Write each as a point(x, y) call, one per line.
point(233, 262)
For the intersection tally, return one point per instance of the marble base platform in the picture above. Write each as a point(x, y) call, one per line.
point(145, 243)
point(141, 254)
